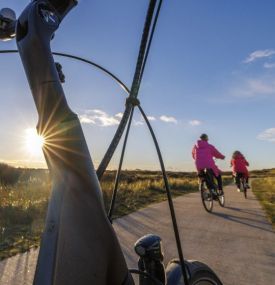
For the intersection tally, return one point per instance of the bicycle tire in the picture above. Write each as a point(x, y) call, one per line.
point(204, 277)
point(206, 197)
point(241, 185)
point(245, 192)
point(243, 188)
point(198, 273)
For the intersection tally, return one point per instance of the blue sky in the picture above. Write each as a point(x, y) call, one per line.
point(211, 69)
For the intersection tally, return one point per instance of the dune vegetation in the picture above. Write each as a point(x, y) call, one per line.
point(24, 201)
point(24, 196)
point(264, 189)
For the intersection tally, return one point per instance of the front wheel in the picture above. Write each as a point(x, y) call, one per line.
point(198, 274)
point(204, 277)
point(206, 197)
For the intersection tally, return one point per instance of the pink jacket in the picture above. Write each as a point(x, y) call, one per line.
point(239, 164)
point(203, 154)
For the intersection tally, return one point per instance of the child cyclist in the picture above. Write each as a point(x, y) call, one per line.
point(239, 168)
point(203, 154)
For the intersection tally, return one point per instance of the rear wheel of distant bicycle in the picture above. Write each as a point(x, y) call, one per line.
point(245, 192)
point(206, 196)
point(244, 187)
point(221, 198)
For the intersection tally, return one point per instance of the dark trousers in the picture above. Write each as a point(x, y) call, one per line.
point(219, 180)
point(211, 176)
point(238, 179)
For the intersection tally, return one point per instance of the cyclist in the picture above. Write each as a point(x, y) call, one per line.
point(239, 168)
point(203, 154)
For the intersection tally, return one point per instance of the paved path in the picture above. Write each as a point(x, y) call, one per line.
point(237, 241)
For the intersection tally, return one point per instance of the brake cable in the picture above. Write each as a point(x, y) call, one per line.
point(167, 188)
point(131, 102)
point(133, 91)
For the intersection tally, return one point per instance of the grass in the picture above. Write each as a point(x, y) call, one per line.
point(264, 189)
point(23, 206)
point(138, 191)
point(22, 212)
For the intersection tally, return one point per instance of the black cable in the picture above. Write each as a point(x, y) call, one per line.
point(146, 120)
point(9, 51)
point(150, 40)
point(169, 197)
point(125, 141)
point(142, 58)
point(143, 55)
point(117, 179)
point(121, 84)
point(103, 165)
point(133, 93)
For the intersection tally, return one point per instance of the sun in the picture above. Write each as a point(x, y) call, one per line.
point(33, 142)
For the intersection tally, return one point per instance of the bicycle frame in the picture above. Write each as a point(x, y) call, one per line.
point(208, 176)
point(71, 236)
point(79, 244)
point(241, 183)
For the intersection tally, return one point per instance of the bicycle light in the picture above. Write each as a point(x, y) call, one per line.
point(149, 249)
point(149, 246)
point(7, 24)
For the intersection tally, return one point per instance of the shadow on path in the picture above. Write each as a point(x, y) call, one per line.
point(247, 211)
point(241, 220)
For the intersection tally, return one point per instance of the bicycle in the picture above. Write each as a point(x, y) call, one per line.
point(209, 190)
point(241, 183)
point(152, 270)
point(79, 240)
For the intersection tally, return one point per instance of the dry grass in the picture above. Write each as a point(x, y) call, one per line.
point(22, 212)
point(264, 189)
point(23, 206)
point(142, 191)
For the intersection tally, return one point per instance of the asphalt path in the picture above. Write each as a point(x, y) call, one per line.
point(237, 241)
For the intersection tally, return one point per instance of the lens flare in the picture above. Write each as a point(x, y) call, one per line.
point(33, 142)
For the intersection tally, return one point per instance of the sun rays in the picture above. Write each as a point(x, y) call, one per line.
point(33, 142)
point(58, 134)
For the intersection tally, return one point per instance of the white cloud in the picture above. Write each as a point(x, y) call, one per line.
point(259, 54)
point(138, 123)
point(269, 65)
point(195, 123)
point(151, 118)
point(119, 115)
point(86, 120)
point(96, 111)
point(168, 119)
point(99, 117)
point(255, 87)
point(261, 87)
point(267, 135)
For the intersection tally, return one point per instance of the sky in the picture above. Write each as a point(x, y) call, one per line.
point(211, 69)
